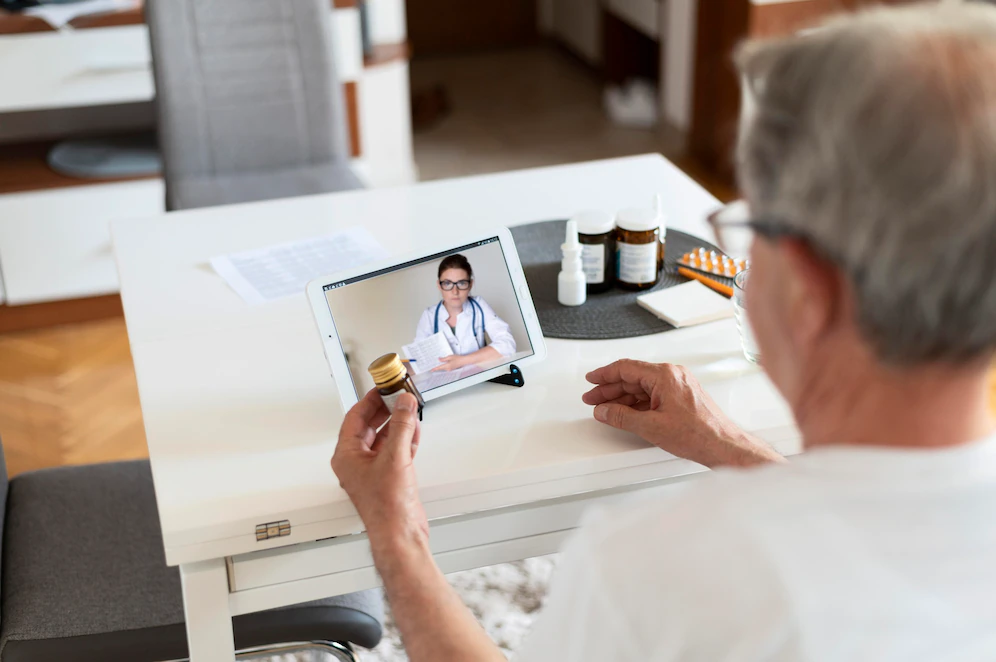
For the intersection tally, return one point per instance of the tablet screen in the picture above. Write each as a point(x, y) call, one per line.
point(449, 316)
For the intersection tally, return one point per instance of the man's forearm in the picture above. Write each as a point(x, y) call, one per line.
point(746, 450)
point(434, 623)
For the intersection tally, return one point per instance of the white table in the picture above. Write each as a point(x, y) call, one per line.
point(56, 244)
point(242, 416)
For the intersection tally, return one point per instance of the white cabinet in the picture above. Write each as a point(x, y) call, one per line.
point(100, 80)
point(386, 126)
point(56, 244)
point(387, 21)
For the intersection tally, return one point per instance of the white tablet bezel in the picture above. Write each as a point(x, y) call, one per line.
point(330, 338)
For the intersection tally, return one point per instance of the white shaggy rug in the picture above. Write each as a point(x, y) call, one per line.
point(505, 598)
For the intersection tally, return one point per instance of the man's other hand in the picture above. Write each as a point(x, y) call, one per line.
point(665, 405)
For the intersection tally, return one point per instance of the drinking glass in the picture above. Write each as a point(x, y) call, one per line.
point(747, 340)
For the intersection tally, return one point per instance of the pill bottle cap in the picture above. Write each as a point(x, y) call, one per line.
point(638, 219)
point(641, 219)
point(387, 369)
point(594, 222)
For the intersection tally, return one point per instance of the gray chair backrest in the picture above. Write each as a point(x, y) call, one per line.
point(245, 86)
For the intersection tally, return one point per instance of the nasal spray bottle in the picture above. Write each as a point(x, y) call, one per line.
point(572, 287)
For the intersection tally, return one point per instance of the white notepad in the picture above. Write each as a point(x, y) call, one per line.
point(687, 304)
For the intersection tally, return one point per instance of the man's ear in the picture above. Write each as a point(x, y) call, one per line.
point(813, 288)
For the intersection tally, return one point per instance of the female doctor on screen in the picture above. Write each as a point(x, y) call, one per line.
point(471, 327)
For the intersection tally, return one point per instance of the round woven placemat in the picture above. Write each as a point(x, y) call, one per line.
point(613, 314)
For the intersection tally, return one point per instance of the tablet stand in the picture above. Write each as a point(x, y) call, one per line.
point(513, 378)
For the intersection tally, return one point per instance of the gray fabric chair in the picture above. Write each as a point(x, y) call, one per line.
point(85, 578)
point(249, 103)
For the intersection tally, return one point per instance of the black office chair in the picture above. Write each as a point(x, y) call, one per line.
point(85, 578)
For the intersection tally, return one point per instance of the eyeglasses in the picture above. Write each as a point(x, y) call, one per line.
point(735, 231)
point(447, 285)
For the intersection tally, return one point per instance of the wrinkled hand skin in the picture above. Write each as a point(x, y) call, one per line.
point(665, 405)
point(375, 466)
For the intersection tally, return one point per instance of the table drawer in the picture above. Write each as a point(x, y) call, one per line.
point(449, 535)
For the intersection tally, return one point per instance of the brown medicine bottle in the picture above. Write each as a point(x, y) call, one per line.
point(596, 232)
point(392, 379)
point(638, 248)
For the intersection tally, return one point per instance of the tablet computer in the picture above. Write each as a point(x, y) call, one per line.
point(457, 314)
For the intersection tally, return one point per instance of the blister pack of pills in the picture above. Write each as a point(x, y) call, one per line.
point(711, 262)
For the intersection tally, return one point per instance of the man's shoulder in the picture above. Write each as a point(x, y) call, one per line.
point(679, 556)
point(719, 525)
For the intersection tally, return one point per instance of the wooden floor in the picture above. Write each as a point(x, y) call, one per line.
point(68, 396)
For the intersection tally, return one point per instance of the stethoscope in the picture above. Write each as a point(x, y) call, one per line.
point(474, 307)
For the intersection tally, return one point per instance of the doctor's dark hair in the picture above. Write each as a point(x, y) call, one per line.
point(455, 261)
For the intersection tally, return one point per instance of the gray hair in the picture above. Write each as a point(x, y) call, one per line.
point(874, 138)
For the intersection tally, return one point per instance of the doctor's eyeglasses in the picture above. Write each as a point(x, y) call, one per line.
point(448, 285)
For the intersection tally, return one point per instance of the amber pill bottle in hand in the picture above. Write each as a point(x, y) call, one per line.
point(637, 248)
point(392, 379)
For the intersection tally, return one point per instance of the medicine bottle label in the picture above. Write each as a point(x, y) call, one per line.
point(593, 263)
point(392, 399)
point(637, 263)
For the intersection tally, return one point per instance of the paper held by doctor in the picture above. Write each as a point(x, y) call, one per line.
point(424, 354)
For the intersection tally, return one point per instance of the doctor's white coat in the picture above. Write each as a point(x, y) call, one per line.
point(466, 339)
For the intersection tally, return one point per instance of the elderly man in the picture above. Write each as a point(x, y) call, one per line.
point(869, 165)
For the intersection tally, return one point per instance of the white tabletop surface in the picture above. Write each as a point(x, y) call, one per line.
point(241, 413)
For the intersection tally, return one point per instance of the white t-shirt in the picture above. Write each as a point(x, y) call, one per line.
point(844, 554)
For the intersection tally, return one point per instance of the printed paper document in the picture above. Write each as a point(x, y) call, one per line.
point(425, 353)
point(283, 270)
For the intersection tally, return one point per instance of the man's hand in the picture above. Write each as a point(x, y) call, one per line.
point(376, 470)
point(665, 405)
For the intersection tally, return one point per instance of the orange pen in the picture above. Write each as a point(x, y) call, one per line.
point(705, 280)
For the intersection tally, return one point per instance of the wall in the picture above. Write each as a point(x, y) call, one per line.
point(578, 24)
point(379, 315)
point(720, 26)
point(447, 27)
point(678, 25)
